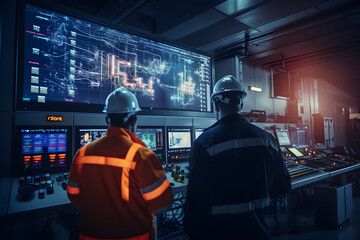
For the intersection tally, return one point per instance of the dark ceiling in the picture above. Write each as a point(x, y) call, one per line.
point(321, 37)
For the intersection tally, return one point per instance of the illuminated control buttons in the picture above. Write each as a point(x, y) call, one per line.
point(28, 179)
point(64, 185)
point(47, 176)
point(41, 194)
point(22, 180)
point(49, 188)
point(49, 183)
point(37, 179)
point(42, 184)
point(59, 179)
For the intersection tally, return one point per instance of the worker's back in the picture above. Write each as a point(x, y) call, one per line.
point(235, 167)
point(113, 174)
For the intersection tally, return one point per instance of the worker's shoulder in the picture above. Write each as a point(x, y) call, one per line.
point(145, 153)
point(209, 137)
point(259, 130)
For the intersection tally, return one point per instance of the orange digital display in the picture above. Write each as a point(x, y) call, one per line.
point(54, 118)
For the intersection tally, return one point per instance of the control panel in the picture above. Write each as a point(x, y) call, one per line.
point(179, 144)
point(42, 149)
point(177, 174)
point(38, 191)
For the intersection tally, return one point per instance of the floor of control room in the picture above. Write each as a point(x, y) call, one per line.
point(33, 229)
point(348, 231)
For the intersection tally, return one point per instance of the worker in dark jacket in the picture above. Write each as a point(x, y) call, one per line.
point(235, 168)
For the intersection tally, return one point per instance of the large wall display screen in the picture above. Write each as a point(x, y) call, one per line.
point(74, 61)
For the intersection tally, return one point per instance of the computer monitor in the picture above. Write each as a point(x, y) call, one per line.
point(42, 149)
point(71, 64)
point(296, 152)
point(153, 138)
point(179, 144)
point(301, 138)
point(198, 132)
point(87, 134)
point(283, 138)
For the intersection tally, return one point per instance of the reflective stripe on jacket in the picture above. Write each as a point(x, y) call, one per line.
point(141, 237)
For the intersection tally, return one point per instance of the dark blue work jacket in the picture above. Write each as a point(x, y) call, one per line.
point(235, 168)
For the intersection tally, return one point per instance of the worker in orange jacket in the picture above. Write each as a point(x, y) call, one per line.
point(116, 180)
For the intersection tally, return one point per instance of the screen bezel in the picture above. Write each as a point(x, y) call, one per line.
point(83, 107)
point(277, 137)
point(169, 160)
point(295, 151)
point(178, 127)
point(154, 127)
point(306, 140)
point(163, 151)
point(17, 166)
point(195, 130)
point(77, 134)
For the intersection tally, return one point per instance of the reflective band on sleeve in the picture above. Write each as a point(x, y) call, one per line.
point(73, 190)
point(126, 171)
point(240, 208)
point(154, 185)
point(156, 192)
point(234, 144)
point(72, 184)
point(145, 236)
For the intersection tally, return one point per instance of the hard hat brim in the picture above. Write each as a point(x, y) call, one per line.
point(242, 93)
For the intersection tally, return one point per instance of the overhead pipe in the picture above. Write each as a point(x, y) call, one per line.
point(241, 52)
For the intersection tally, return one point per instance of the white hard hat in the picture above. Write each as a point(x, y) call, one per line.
point(121, 100)
point(228, 84)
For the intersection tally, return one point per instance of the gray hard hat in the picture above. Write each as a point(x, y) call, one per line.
point(228, 84)
point(121, 100)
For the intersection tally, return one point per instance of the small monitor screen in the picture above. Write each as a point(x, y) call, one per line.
point(153, 138)
point(179, 139)
point(73, 61)
point(283, 137)
point(296, 152)
point(179, 144)
point(87, 135)
point(42, 149)
point(198, 132)
point(301, 138)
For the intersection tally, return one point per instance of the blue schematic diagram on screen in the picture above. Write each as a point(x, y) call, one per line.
point(72, 60)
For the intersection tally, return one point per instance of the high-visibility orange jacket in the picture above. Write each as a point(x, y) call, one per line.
point(118, 184)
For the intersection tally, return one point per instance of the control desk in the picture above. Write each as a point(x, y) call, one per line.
point(38, 192)
point(178, 175)
point(308, 165)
